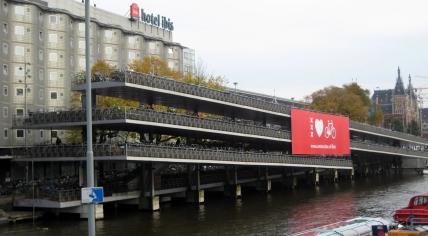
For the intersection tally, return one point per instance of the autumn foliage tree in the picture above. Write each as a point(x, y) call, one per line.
point(350, 100)
point(155, 65)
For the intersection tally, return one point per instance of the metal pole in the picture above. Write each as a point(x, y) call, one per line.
point(25, 137)
point(89, 152)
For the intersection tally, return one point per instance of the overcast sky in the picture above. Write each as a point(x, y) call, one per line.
point(298, 46)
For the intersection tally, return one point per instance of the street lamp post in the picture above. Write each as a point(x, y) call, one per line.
point(27, 75)
point(89, 152)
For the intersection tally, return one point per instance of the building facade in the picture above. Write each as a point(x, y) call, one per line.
point(398, 103)
point(43, 47)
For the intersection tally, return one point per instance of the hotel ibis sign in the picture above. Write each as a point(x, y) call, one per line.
point(153, 19)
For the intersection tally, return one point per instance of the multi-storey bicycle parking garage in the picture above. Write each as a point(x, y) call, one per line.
point(248, 142)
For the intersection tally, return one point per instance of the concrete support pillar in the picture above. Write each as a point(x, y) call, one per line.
point(81, 175)
point(148, 200)
point(264, 184)
point(233, 189)
point(336, 176)
point(99, 212)
point(294, 183)
point(195, 194)
point(316, 178)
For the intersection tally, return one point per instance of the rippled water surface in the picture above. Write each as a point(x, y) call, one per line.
point(279, 213)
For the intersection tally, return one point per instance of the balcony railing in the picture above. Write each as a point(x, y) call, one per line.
point(46, 120)
point(57, 195)
point(178, 153)
point(390, 149)
point(153, 81)
point(387, 132)
point(225, 96)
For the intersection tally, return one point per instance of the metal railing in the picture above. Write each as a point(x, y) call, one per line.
point(159, 82)
point(387, 132)
point(226, 96)
point(63, 195)
point(385, 148)
point(47, 120)
point(178, 153)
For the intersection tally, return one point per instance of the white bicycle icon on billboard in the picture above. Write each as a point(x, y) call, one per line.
point(329, 130)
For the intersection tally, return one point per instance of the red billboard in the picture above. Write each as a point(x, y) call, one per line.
point(319, 133)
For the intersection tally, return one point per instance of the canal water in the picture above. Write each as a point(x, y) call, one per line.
point(280, 212)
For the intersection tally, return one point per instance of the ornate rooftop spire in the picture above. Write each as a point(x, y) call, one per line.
point(399, 87)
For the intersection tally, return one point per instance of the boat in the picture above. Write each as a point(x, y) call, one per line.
point(416, 211)
point(360, 226)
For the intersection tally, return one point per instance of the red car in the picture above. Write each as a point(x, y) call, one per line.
point(415, 212)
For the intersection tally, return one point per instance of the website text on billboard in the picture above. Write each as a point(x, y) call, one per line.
point(319, 133)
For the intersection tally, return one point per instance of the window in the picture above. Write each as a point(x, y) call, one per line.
point(170, 51)
point(53, 38)
point(5, 28)
point(5, 112)
point(52, 19)
point(19, 51)
point(5, 90)
point(19, 30)
point(19, 92)
point(53, 75)
point(82, 44)
point(19, 71)
point(20, 133)
point(131, 40)
point(53, 56)
point(41, 94)
point(41, 133)
point(82, 27)
point(41, 36)
point(108, 34)
point(82, 62)
point(420, 201)
point(171, 64)
point(5, 48)
point(5, 69)
point(5, 133)
point(54, 95)
point(132, 56)
point(54, 133)
point(19, 112)
point(19, 10)
point(109, 50)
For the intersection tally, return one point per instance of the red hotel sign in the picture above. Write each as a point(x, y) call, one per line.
point(318, 133)
point(134, 11)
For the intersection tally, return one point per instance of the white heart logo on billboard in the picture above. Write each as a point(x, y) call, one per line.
point(319, 127)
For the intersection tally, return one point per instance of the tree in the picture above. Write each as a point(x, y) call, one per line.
point(397, 125)
point(154, 65)
point(413, 128)
point(350, 100)
point(102, 68)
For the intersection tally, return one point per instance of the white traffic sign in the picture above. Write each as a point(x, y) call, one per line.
point(92, 195)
